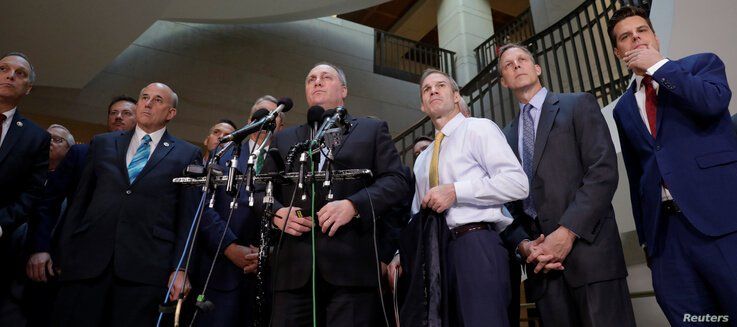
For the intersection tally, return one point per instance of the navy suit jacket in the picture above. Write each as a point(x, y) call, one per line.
point(139, 229)
point(60, 186)
point(694, 154)
point(243, 229)
point(24, 162)
point(348, 257)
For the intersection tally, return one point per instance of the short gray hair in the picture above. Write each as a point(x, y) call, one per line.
point(431, 71)
point(32, 73)
point(65, 133)
point(509, 46)
point(341, 74)
point(267, 97)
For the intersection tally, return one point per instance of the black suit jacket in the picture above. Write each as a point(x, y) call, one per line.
point(243, 230)
point(60, 186)
point(347, 258)
point(141, 227)
point(24, 162)
point(574, 180)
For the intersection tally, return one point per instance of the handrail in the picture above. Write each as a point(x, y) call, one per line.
point(575, 54)
point(406, 59)
point(521, 28)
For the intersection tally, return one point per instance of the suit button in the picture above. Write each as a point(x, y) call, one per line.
point(128, 192)
point(657, 147)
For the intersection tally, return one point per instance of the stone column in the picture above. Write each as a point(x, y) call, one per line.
point(462, 26)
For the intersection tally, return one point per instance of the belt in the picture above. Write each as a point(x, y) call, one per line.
point(467, 228)
point(670, 207)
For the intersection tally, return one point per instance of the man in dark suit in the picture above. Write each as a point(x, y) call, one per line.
point(346, 268)
point(232, 282)
point(40, 292)
point(680, 152)
point(24, 159)
point(564, 145)
point(60, 186)
point(128, 223)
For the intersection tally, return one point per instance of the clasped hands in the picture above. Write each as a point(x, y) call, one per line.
point(549, 252)
point(331, 217)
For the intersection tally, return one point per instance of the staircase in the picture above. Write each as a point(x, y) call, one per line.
point(575, 54)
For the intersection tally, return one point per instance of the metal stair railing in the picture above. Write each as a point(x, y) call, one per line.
point(575, 54)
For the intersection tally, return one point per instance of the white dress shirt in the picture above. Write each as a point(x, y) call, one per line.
point(138, 138)
point(6, 124)
point(475, 157)
point(640, 99)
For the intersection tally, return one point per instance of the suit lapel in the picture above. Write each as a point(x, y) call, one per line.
point(354, 123)
point(633, 110)
point(15, 131)
point(166, 144)
point(547, 117)
point(513, 136)
point(121, 146)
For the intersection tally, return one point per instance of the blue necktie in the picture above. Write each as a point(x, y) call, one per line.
point(528, 152)
point(140, 158)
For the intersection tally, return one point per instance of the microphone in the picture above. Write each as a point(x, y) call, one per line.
point(314, 116)
point(259, 114)
point(331, 118)
point(284, 105)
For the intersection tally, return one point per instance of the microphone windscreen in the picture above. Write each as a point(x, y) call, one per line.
point(314, 115)
point(328, 113)
point(258, 114)
point(287, 102)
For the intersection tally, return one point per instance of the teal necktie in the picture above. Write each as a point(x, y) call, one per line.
point(140, 158)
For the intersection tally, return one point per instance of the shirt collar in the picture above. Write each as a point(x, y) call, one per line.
point(453, 124)
point(9, 114)
point(155, 136)
point(537, 100)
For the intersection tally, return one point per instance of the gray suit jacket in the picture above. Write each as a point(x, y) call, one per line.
point(574, 179)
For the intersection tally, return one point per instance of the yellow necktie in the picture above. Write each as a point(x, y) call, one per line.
point(434, 178)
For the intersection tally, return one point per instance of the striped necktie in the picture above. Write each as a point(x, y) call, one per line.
point(528, 153)
point(140, 158)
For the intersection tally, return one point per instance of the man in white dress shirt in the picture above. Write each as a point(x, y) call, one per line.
point(469, 172)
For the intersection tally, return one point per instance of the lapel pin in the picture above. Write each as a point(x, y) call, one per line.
point(166, 143)
point(19, 123)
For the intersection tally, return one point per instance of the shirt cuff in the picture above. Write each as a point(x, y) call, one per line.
point(1, 231)
point(464, 192)
point(654, 68)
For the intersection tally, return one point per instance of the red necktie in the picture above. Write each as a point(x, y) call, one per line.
point(651, 103)
point(2, 120)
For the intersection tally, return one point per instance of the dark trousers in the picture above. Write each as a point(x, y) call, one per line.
point(605, 303)
point(695, 274)
point(232, 308)
point(38, 302)
point(107, 301)
point(478, 276)
point(336, 306)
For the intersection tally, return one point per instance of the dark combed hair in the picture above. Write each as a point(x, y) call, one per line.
point(227, 121)
point(422, 138)
point(119, 98)
point(620, 15)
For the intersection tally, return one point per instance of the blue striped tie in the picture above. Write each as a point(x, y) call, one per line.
point(140, 158)
point(528, 152)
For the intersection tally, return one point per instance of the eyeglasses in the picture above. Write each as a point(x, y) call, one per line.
point(58, 140)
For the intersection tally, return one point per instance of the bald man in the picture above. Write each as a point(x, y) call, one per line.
point(128, 223)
